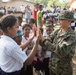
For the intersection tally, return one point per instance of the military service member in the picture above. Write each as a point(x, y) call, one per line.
point(62, 44)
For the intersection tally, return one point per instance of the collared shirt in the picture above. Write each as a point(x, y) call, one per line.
point(24, 40)
point(11, 55)
point(26, 50)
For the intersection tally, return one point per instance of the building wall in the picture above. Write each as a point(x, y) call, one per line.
point(17, 4)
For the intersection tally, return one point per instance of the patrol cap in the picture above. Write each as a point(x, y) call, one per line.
point(66, 15)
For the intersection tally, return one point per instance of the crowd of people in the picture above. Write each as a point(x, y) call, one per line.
point(28, 46)
point(2, 11)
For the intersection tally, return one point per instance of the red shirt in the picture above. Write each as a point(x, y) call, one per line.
point(34, 13)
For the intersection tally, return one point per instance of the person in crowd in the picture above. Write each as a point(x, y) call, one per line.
point(13, 10)
point(39, 58)
point(26, 70)
point(26, 31)
point(4, 10)
point(47, 55)
point(52, 9)
point(22, 9)
point(39, 16)
point(31, 22)
point(34, 12)
point(49, 21)
point(1, 33)
point(44, 10)
point(18, 37)
point(11, 54)
point(45, 16)
point(9, 10)
point(1, 11)
point(27, 13)
point(62, 44)
point(20, 22)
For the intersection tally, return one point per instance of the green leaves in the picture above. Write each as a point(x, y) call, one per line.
point(50, 2)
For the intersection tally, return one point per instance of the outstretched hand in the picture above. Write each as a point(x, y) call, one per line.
point(38, 35)
point(32, 33)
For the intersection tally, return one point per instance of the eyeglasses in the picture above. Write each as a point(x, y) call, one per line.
point(61, 19)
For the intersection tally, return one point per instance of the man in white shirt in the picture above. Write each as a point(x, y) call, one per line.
point(22, 8)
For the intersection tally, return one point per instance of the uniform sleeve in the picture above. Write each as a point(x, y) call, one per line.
point(66, 48)
point(18, 54)
point(49, 39)
point(63, 49)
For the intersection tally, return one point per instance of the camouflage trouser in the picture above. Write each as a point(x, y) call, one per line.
point(62, 73)
point(51, 73)
point(62, 67)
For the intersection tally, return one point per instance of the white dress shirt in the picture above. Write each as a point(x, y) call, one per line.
point(24, 40)
point(11, 55)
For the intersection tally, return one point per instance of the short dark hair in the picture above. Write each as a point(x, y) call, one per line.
point(40, 6)
point(36, 4)
point(19, 18)
point(25, 25)
point(32, 20)
point(7, 21)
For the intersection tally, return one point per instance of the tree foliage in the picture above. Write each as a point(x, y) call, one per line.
point(50, 2)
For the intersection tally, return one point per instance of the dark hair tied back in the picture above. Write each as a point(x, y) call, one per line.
point(7, 21)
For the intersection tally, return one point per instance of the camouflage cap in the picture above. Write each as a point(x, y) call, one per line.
point(66, 15)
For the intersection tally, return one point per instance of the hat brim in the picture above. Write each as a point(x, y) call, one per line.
point(65, 19)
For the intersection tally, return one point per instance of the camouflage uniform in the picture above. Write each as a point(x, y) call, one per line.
point(62, 46)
